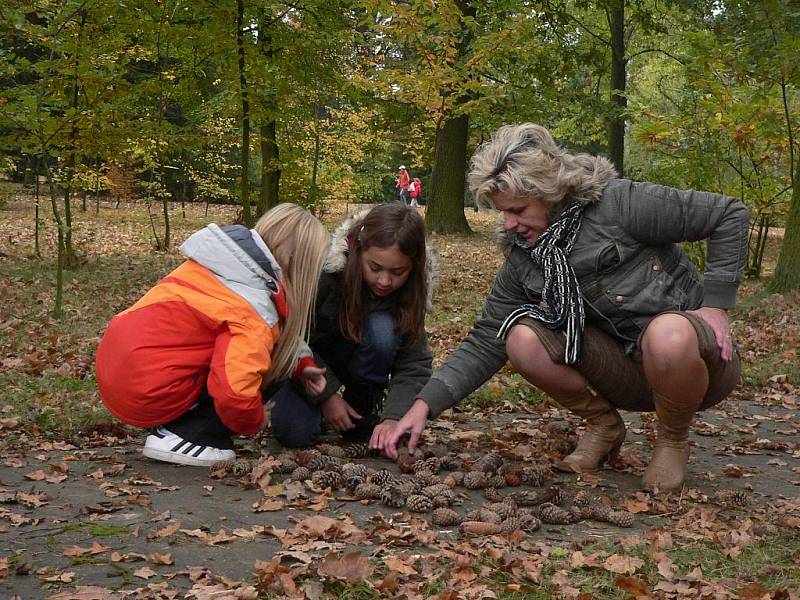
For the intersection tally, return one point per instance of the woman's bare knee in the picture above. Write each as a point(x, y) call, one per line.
point(670, 341)
point(525, 349)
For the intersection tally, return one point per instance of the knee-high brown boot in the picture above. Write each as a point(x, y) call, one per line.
point(604, 433)
point(667, 468)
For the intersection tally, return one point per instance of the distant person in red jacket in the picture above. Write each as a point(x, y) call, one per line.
point(415, 189)
point(191, 356)
point(402, 184)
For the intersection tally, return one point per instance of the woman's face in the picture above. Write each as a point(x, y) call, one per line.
point(528, 217)
point(385, 269)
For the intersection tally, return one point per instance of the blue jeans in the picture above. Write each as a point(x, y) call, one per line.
point(295, 422)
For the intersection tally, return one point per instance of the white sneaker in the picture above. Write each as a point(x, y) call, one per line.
point(166, 446)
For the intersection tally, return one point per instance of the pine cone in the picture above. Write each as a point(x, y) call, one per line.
point(485, 515)
point(408, 487)
point(535, 475)
point(332, 450)
point(444, 499)
point(620, 518)
point(287, 463)
point(243, 466)
point(529, 522)
point(436, 490)
point(383, 478)
point(367, 491)
point(357, 450)
point(323, 461)
point(475, 480)
point(550, 513)
point(303, 457)
point(450, 462)
point(488, 463)
point(511, 524)
point(222, 468)
point(393, 497)
point(496, 481)
point(353, 481)
point(535, 497)
point(429, 464)
point(456, 477)
point(354, 470)
point(493, 495)
point(513, 478)
point(504, 509)
point(419, 503)
point(445, 517)
point(327, 479)
point(300, 474)
point(426, 478)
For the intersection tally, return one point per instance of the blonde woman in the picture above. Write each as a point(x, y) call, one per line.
point(596, 303)
point(190, 357)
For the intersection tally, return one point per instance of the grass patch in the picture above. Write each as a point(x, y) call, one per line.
point(98, 529)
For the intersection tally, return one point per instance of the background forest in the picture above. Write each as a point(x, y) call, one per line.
point(318, 102)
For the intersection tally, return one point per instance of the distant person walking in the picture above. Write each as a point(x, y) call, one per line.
point(402, 183)
point(415, 190)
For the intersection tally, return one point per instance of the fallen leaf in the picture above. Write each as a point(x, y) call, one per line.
point(145, 573)
point(617, 563)
point(95, 548)
point(351, 566)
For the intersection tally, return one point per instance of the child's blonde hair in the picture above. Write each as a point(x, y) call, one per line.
point(298, 241)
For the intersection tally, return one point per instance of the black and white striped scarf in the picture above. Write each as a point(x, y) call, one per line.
point(560, 291)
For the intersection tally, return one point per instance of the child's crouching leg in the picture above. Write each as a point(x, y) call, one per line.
point(295, 422)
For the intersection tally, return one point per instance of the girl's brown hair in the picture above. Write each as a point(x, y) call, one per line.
point(298, 242)
point(383, 227)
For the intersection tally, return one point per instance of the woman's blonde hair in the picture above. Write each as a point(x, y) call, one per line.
point(298, 241)
point(525, 161)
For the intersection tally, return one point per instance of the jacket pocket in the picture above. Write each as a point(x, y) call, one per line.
point(647, 290)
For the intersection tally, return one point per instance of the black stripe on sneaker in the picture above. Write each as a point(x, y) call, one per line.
point(199, 451)
point(188, 449)
point(177, 446)
point(158, 434)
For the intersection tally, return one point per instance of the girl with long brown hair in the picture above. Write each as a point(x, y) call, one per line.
point(369, 329)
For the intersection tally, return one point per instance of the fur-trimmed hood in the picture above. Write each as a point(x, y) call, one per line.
point(336, 258)
point(599, 172)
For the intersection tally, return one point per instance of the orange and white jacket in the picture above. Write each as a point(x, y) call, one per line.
point(213, 321)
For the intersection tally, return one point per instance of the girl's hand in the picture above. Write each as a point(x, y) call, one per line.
point(338, 413)
point(381, 433)
point(313, 380)
point(414, 422)
point(717, 319)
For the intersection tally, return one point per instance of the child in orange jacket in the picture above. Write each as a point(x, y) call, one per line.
point(191, 356)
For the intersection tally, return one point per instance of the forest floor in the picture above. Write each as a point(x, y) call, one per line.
point(83, 515)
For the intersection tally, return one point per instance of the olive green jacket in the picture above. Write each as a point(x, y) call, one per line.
point(629, 266)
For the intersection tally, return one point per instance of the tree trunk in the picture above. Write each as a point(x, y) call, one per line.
point(616, 123)
point(787, 272)
point(37, 248)
point(270, 152)
point(314, 167)
point(270, 171)
point(445, 212)
point(245, 180)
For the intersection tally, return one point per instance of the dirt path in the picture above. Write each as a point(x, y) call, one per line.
point(138, 513)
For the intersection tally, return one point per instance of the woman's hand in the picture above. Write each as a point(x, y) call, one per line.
point(313, 380)
point(381, 433)
point(413, 422)
point(338, 413)
point(717, 319)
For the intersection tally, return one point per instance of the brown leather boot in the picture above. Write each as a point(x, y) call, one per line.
point(604, 433)
point(667, 468)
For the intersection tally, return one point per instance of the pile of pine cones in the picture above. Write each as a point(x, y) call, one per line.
point(429, 485)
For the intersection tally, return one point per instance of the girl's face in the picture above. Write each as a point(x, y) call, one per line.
point(385, 269)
